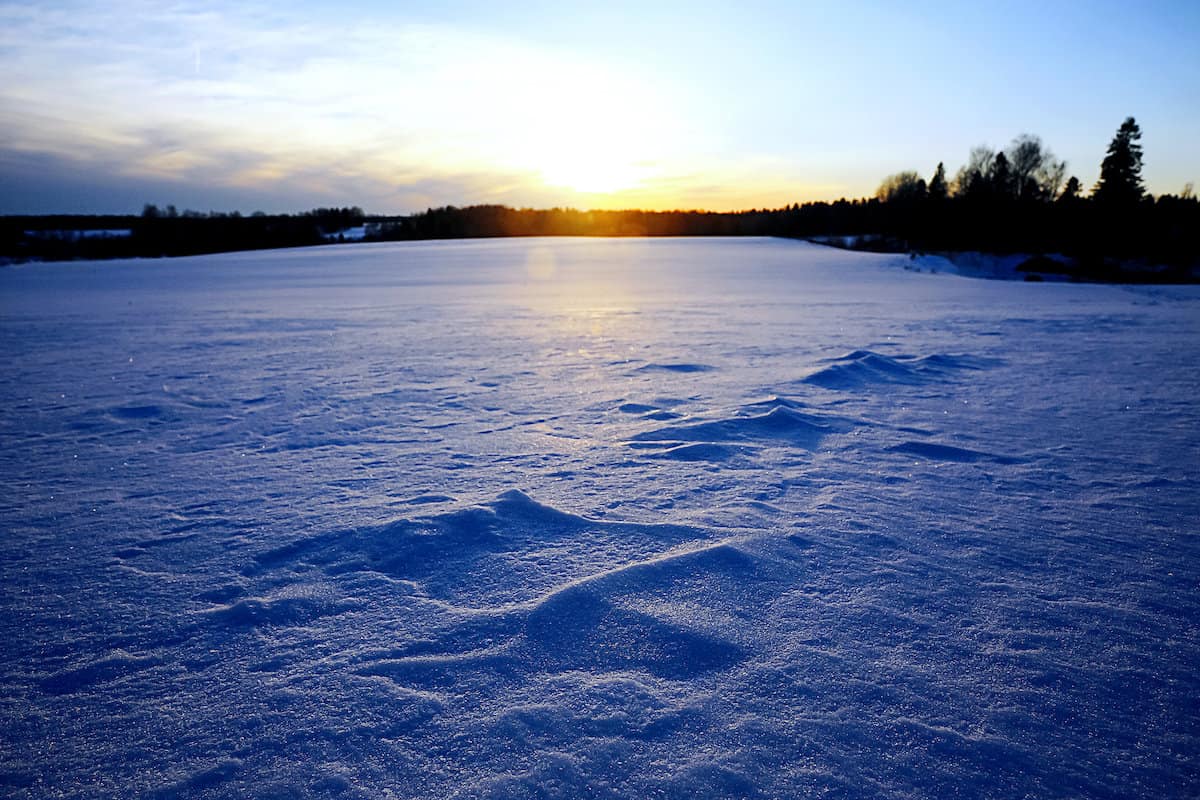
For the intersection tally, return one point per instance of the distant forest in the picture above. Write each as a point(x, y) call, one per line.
point(1016, 200)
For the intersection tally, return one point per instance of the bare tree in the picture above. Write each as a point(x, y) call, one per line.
point(1036, 175)
point(1051, 178)
point(972, 176)
point(1025, 157)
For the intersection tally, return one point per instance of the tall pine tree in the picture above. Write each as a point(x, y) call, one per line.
point(937, 184)
point(1121, 171)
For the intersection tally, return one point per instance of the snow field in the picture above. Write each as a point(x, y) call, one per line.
point(578, 518)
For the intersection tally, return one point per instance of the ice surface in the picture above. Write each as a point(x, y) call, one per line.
point(595, 518)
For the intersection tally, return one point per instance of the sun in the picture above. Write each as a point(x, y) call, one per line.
point(594, 171)
point(589, 132)
point(592, 148)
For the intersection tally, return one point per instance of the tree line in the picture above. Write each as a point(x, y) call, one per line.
point(1016, 200)
point(1019, 199)
point(168, 232)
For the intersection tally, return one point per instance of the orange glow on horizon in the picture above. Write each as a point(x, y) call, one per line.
point(733, 196)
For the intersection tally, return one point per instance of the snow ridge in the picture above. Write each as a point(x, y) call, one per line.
point(863, 368)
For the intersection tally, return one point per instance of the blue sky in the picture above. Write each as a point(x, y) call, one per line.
point(396, 107)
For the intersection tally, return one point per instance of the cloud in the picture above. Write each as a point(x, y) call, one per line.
point(45, 182)
point(228, 101)
point(235, 97)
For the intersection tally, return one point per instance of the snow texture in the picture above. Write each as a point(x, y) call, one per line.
point(595, 518)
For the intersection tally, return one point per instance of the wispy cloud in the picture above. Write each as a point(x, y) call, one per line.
point(240, 96)
point(237, 96)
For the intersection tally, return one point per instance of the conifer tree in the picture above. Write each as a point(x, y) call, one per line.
point(1001, 177)
point(937, 184)
point(1121, 171)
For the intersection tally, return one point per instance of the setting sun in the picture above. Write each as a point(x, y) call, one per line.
point(595, 172)
point(599, 132)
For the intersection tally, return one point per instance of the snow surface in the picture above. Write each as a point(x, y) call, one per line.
point(595, 518)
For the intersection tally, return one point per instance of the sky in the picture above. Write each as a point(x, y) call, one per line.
point(396, 106)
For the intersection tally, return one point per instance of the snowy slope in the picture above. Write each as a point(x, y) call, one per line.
point(595, 518)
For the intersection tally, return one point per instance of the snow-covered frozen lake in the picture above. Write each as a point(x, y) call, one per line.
point(595, 518)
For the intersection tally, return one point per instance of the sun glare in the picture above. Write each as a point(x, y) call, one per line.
point(595, 171)
point(588, 131)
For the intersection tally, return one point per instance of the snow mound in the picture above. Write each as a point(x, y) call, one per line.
point(520, 601)
point(945, 452)
point(863, 368)
point(629, 620)
point(637, 408)
point(596, 625)
point(257, 612)
point(771, 422)
point(486, 557)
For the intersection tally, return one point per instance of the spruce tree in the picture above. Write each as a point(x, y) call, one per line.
point(1001, 177)
point(1121, 171)
point(937, 184)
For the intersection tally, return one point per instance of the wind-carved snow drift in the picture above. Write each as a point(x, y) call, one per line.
point(863, 368)
point(547, 607)
point(774, 422)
